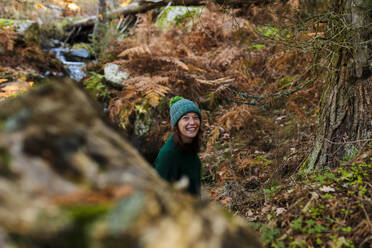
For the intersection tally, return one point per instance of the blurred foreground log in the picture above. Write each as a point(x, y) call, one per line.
point(68, 179)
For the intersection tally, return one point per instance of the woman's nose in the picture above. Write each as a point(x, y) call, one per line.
point(192, 121)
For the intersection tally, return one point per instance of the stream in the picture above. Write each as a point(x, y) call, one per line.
point(75, 69)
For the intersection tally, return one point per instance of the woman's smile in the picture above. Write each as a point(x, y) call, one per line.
point(188, 126)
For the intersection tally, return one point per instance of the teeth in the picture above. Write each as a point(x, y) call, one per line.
point(190, 129)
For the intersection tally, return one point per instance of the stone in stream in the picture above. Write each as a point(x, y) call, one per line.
point(80, 53)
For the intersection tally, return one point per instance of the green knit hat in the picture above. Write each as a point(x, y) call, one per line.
point(180, 106)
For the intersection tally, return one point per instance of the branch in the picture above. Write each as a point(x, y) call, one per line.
point(132, 8)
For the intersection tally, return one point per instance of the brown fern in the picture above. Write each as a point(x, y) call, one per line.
point(236, 118)
point(135, 52)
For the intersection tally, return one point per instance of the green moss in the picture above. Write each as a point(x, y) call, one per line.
point(62, 24)
point(176, 15)
point(85, 46)
point(5, 160)
point(82, 218)
point(6, 22)
point(86, 213)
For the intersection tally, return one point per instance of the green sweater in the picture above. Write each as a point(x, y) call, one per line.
point(172, 164)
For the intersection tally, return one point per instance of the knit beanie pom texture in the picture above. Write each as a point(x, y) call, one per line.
point(180, 106)
point(175, 99)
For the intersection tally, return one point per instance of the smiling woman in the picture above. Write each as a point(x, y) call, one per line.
point(178, 158)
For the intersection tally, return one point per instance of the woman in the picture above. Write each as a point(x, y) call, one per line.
point(178, 157)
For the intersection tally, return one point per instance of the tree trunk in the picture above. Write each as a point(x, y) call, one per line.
point(67, 179)
point(98, 30)
point(345, 108)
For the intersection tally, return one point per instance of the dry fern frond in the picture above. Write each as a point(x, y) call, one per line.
point(135, 52)
point(138, 89)
point(174, 61)
point(7, 39)
point(236, 118)
point(215, 134)
point(225, 58)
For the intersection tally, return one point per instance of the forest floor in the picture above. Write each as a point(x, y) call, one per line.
point(258, 85)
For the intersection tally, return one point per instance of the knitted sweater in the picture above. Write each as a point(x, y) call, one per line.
point(172, 164)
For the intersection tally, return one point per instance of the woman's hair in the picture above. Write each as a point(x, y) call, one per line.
point(193, 146)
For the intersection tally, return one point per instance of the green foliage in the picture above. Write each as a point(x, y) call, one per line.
point(267, 31)
point(269, 234)
point(319, 224)
point(96, 87)
point(256, 47)
point(285, 82)
point(263, 160)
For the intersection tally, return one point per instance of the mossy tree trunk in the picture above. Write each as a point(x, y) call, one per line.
point(101, 19)
point(345, 108)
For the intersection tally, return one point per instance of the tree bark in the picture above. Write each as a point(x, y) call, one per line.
point(99, 26)
point(68, 179)
point(345, 108)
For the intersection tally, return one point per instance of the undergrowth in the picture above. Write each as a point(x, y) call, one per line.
point(329, 208)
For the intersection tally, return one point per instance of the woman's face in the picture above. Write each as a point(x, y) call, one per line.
point(189, 126)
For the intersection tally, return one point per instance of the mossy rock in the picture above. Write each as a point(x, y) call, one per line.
point(6, 22)
point(29, 31)
point(176, 15)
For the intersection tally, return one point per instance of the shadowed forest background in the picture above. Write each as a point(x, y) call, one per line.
point(285, 93)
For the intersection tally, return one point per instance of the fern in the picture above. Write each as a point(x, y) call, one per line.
point(236, 118)
point(135, 52)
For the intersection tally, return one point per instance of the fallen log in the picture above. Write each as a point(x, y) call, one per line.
point(132, 8)
point(69, 179)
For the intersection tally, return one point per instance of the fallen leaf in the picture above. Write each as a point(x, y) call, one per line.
point(279, 211)
point(327, 189)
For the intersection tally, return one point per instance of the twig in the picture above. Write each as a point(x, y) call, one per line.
point(253, 102)
point(346, 142)
point(366, 214)
point(69, 34)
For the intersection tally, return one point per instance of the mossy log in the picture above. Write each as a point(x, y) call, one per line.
point(134, 7)
point(69, 179)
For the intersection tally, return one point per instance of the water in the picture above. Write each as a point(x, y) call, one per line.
point(75, 70)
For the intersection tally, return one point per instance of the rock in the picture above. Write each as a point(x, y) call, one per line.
point(68, 179)
point(143, 121)
point(114, 75)
point(80, 53)
point(29, 31)
point(172, 15)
